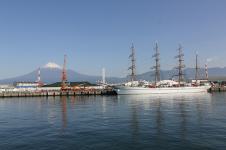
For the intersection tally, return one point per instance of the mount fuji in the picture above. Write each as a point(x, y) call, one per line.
point(52, 72)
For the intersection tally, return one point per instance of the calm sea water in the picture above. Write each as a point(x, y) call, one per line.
point(114, 122)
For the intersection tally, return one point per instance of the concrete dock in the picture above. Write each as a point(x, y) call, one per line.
point(218, 89)
point(55, 93)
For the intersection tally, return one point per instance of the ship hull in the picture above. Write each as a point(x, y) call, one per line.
point(123, 90)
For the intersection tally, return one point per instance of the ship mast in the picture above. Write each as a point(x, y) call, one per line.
point(206, 71)
point(196, 68)
point(157, 63)
point(133, 64)
point(181, 65)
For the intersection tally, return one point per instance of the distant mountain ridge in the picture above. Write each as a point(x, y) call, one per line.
point(53, 74)
point(189, 73)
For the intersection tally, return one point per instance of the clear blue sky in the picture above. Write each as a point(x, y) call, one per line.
point(98, 33)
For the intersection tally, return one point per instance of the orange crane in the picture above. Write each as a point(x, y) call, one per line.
point(64, 85)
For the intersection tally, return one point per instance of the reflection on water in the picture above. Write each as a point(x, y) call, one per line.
point(135, 124)
point(104, 104)
point(159, 118)
point(64, 111)
point(114, 122)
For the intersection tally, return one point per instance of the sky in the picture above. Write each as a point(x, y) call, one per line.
point(97, 34)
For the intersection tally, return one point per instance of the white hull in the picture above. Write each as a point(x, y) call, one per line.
point(124, 90)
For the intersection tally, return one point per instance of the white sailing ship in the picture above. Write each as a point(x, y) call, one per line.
point(162, 86)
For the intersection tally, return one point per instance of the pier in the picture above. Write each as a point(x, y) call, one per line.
point(54, 93)
point(218, 89)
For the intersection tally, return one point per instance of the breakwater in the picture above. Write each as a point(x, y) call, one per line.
point(54, 93)
point(218, 89)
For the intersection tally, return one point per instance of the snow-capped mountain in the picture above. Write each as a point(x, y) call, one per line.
point(52, 72)
point(52, 65)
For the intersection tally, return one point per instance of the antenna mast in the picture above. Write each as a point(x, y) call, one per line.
point(39, 77)
point(103, 76)
point(157, 63)
point(133, 65)
point(181, 65)
point(64, 73)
